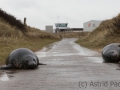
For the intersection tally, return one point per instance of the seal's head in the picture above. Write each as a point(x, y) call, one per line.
point(30, 62)
point(111, 56)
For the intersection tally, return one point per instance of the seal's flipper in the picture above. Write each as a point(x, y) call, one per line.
point(42, 64)
point(9, 66)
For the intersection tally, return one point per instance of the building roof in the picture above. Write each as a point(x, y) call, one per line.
point(94, 20)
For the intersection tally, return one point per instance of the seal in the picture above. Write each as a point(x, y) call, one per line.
point(22, 58)
point(111, 52)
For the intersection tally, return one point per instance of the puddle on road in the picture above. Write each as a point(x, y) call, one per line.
point(83, 51)
point(6, 75)
point(46, 54)
point(95, 59)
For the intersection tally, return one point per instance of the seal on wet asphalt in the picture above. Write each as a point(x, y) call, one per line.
point(111, 52)
point(22, 58)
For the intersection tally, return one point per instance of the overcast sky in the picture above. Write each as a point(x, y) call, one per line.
point(40, 13)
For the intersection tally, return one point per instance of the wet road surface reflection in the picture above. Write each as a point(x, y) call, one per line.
point(76, 50)
point(6, 75)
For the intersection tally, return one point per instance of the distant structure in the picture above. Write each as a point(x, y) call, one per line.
point(62, 27)
point(91, 25)
point(49, 28)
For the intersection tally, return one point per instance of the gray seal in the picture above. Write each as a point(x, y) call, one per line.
point(111, 52)
point(22, 58)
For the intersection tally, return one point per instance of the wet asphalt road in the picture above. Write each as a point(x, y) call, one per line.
point(69, 67)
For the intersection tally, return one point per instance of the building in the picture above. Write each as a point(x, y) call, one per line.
point(62, 27)
point(49, 28)
point(91, 25)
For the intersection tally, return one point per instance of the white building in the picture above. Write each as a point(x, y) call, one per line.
point(49, 28)
point(91, 25)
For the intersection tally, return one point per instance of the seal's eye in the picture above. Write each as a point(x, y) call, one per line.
point(34, 60)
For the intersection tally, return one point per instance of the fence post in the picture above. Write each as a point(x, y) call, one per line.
point(25, 21)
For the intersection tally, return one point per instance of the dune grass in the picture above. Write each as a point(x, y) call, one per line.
point(71, 34)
